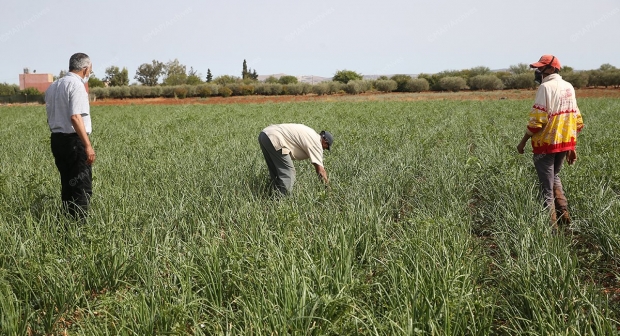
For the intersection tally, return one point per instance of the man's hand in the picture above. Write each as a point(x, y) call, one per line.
point(78, 126)
point(90, 155)
point(521, 147)
point(322, 173)
point(571, 157)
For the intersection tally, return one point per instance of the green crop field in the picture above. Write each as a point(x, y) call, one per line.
point(431, 225)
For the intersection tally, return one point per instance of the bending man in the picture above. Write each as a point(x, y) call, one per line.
point(286, 142)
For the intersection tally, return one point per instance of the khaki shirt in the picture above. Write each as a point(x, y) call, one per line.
point(300, 141)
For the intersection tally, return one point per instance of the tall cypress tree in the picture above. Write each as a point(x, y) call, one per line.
point(244, 73)
point(209, 76)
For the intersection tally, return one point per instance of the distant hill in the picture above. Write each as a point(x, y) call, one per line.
point(372, 77)
point(311, 79)
point(263, 77)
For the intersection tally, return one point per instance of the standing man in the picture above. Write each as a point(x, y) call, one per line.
point(286, 142)
point(554, 123)
point(68, 116)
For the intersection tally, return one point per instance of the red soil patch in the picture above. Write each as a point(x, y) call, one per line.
point(395, 96)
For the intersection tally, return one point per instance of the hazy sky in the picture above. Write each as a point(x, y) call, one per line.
point(307, 38)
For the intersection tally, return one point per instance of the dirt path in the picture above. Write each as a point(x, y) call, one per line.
point(395, 96)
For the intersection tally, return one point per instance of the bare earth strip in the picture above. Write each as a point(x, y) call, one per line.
point(395, 96)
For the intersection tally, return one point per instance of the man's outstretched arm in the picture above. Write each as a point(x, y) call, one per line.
point(321, 172)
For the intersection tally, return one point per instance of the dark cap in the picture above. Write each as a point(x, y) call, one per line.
point(329, 138)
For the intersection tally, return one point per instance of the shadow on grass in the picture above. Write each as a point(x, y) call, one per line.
point(260, 186)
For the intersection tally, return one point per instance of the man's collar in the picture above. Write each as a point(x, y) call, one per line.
point(552, 77)
point(70, 73)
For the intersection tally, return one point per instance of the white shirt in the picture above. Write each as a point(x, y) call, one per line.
point(300, 141)
point(555, 95)
point(66, 97)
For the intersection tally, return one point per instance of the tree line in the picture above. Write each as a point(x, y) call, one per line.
point(173, 79)
point(518, 76)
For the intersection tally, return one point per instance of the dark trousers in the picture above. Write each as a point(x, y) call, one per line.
point(281, 168)
point(548, 167)
point(75, 174)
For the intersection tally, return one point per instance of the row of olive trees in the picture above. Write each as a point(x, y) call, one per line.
point(256, 88)
point(518, 76)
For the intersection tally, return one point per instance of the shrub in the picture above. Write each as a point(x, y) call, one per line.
point(417, 85)
point(240, 89)
point(31, 92)
point(592, 78)
point(520, 81)
point(215, 89)
point(293, 89)
point(434, 79)
point(431, 79)
point(577, 79)
point(140, 91)
point(125, 92)
point(503, 76)
point(485, 82)
point(156, 91)
point(367, 85)
point(94, 82)
point(353, 87)
point(106, 92)
point(271, 80)
point(100, 92)
point(609, 77)
point(234, 88)
point(321, 88)
point(288, 80)
point(477, 71)
point(192, 90)
point(247, 89)
point(273, 89)
point(520, 68)
point(269, 89)
point(401, 81)
point(115, 92)
point(452, 83)
point(167, 91)
point(225, 92)
point(226, 79)
point(357, 86)
point(306, 88)
point(8, 89)
point(335, 87)
point(344, 76)
point(204, 91)
point(180, 92)
point(386, 85)
point(261, 89)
